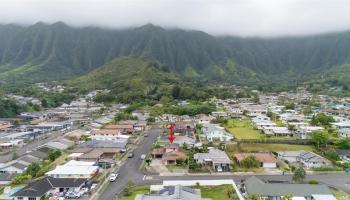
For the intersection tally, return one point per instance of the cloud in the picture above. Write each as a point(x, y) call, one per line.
point(220, 17)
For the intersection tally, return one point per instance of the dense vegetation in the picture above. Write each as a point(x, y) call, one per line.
point(44, 52)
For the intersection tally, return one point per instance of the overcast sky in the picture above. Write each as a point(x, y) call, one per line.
point(219, 17)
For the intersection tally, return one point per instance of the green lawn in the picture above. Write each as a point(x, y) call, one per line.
point(256, 147)
point(243, 129)
point(340, 195)
point(135, 191)
point(219, 192)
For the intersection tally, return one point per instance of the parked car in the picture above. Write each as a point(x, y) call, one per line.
point(113, 177)
point(72, 195)
point(143, 156)
point(130, 155)
point(146, 135)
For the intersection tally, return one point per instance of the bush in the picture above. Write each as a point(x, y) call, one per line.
point(250, 162)
point(313, 182)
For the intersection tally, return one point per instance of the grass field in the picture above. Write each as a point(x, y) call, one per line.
point(135, 191)
point(217, 192)
point(256, 147)
point(243, 129)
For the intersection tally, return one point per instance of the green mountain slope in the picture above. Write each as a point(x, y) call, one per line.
point(43, 52)
point(129, 78)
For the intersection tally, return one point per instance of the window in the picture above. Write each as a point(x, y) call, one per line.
point(32, 198)
point(19, 198)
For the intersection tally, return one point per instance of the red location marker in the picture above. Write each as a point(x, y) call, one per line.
point(171, 137)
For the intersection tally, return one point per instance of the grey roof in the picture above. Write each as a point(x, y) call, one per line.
point(215, 155)
point(56, 145)
point(103, 144)
point(343, 152)
point(42, 186)
point(28, 159)
point(177, 192)
point(256, 186)
point(19, 165)
point(36, 189)
point(6, 176)
point(312, 157)
point(38, 154)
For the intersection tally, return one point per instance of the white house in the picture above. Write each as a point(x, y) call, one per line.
point(216, 132)
point(216, 158)
point(290, 156)
point(304, 131)
point(311, 160)
point(74, 169)
point(344, 133)
point(344, 155)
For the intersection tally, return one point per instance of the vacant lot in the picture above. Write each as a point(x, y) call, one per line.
point(243, 129)
point(256, 147)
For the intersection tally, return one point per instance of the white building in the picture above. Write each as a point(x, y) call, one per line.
point(216, 132)
point(75, 169)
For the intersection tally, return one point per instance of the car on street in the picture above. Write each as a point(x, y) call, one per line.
point(146, 135)
point(113, 177)
point(131, 155)
point(143, 156)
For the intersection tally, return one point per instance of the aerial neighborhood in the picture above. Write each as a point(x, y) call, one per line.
point(84, 149)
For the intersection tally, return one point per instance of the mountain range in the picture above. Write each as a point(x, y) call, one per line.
point(47, 52)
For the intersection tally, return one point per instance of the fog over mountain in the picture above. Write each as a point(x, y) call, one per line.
point(220, 17)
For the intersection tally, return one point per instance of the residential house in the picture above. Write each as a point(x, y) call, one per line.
point(264, 125)
point(344, 133)
point(305, 131)
point(48, 185)
point(255, 110)
point(267, 160)
point(311, 160)
point(204, 119)
point(341, 125)
point(169, 154)
point(277, 131)
point(275, 191)
point(14, 167)
point(290, 156)
point(108, 134)
point(219, 114)
point(124, 128)
point(75, 169)
point(173, 192)
point(6, 178)
point(344, 155)
point(216, 132)
point(216, 158)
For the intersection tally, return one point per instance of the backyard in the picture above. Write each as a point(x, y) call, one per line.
point(243, 129)
point(257, 147)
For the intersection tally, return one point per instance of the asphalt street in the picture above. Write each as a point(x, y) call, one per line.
point(130, 170)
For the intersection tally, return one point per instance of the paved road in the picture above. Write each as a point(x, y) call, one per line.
point(130, 170)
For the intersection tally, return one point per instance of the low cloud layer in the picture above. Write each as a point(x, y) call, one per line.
point(219, 17)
